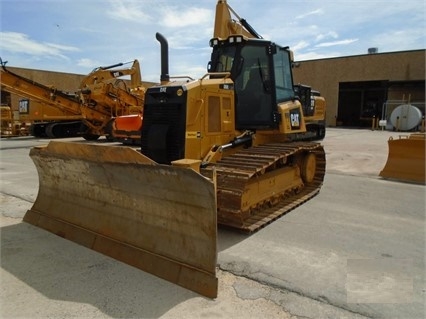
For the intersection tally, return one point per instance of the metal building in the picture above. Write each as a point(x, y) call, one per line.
point(357, 88)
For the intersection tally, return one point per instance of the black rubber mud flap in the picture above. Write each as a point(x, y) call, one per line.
point(114, 200)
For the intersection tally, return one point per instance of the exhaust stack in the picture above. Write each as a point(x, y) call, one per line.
point(165, 77)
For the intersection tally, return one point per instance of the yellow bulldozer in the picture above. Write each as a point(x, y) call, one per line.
point(215, 150)
point(314, 108)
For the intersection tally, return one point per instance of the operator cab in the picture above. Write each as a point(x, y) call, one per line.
point(261, 71)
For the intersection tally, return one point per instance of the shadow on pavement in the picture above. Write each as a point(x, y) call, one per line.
point(62, 270)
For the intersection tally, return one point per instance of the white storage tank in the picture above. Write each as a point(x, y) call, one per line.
point(405, 117)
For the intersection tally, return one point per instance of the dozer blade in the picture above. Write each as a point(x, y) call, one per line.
point(114, 200)
point(406, 159)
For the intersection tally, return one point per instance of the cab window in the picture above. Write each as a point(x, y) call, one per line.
point(283, 77)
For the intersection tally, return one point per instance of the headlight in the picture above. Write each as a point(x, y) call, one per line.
point(214, 42)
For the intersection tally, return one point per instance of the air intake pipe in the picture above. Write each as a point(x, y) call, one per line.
point(164, 77)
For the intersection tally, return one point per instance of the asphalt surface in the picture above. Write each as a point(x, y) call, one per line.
point(356, 250)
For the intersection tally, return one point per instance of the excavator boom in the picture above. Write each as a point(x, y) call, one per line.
point(226, 26)
point(110, 72)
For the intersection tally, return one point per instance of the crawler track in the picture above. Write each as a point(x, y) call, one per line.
point(236, 172)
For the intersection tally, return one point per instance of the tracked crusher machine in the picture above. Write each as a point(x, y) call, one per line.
point(216, 150)
point(102, 97)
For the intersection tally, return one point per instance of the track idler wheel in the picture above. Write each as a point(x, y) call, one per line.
point(308, 167)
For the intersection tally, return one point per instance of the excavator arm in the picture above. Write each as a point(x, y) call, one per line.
point(104, 86)
point(226, 26)
point(103, 74)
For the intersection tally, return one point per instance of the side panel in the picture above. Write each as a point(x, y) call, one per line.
point(114, 200)
point(292, 119)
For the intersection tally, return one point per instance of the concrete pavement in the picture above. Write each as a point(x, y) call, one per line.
point(356, 250)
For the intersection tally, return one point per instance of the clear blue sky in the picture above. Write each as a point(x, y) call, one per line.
point(76, 36)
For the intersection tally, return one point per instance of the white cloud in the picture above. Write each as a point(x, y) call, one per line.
point(300, 45)
point(334, 43)
point(191, 41)
point(61, 47)
point(330, 34)
point(173, 17)
point(314, 12)
point(87, 63)
point(16, 42)
point(399, 39)
point(129, 11)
